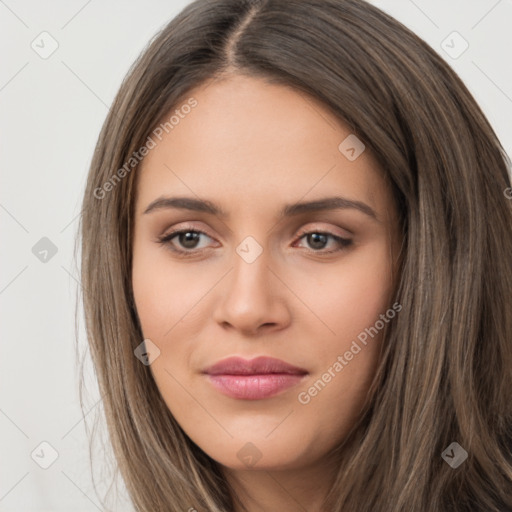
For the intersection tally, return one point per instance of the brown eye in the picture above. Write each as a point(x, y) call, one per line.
point(317, 241)
point(186, 240)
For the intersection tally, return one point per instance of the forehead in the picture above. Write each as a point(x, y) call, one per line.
point(248, 143)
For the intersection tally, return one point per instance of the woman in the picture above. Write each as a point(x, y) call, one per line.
point(297, 270)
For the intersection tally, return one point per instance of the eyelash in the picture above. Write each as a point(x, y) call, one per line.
point(167, 241)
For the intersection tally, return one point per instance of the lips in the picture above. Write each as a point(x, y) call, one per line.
point(259, 366)
point(256, 379)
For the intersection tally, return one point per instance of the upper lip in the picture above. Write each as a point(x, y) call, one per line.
point(257, 366)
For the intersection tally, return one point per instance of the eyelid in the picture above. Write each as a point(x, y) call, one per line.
point(184, 227)
point(308, 228)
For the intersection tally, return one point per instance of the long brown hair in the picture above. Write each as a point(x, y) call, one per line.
point(445, 374)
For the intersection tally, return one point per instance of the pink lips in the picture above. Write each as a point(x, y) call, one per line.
point(255, 379)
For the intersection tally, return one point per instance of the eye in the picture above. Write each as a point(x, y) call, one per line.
point(187, 238)
point(318, 239)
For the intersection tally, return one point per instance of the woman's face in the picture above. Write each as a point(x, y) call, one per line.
point(308, 285)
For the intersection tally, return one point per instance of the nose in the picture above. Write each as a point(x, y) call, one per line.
point(252, 299)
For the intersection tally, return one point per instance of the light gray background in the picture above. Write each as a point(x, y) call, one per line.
point(52, 111)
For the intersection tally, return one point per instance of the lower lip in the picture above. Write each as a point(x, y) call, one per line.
point(254, 387)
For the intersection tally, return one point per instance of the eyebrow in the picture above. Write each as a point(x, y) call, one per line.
point(203, 205)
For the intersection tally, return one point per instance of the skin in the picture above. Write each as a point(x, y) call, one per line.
point(252, 147)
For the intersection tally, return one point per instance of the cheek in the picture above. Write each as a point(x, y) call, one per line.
point(165, 293)
point(348, 296)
